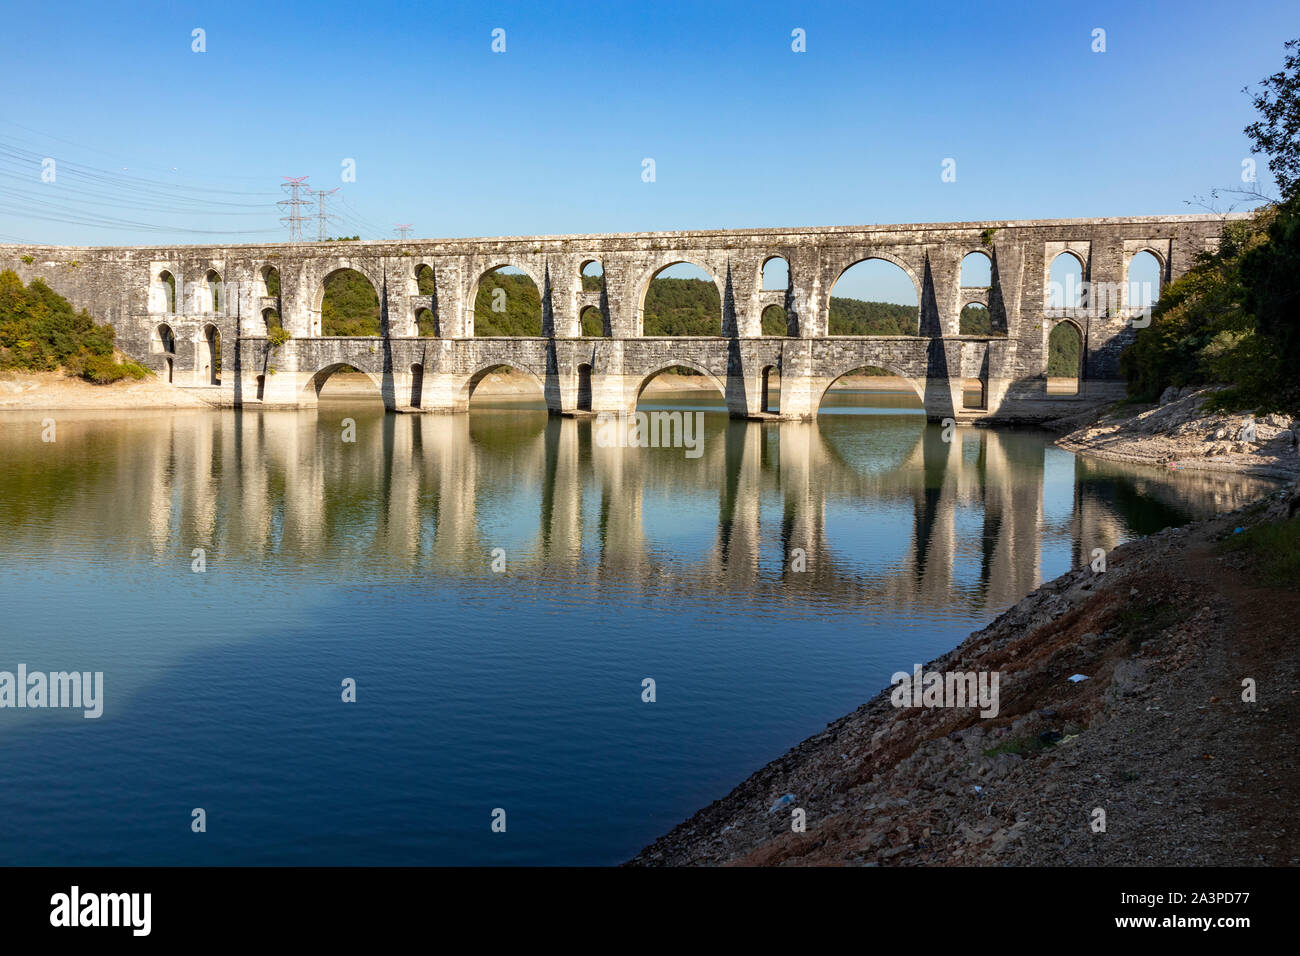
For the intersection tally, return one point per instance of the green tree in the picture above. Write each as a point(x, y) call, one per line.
point(41, 331)
point(350, 305)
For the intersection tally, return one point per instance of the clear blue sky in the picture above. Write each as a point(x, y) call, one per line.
point(549, 137)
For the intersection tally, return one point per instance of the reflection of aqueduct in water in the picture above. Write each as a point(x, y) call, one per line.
point(189, 310)
point(422, 493)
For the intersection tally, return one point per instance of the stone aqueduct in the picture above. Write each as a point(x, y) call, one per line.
point(579, 374)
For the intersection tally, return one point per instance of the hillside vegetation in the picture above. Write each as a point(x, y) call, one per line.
point(40, 331)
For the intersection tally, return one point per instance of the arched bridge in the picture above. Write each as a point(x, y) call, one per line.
point(186, 311)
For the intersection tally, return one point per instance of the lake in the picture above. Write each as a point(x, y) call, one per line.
point(498, 585)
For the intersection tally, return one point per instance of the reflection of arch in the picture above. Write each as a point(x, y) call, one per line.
point(584, 388)
point(981, 267)
point(884, 367)
point(317, 381)
point(467, 390)
point(644, 290)
point(685, 363)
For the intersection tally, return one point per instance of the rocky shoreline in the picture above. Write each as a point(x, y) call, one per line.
point(1156, 735)
point(1178, 433)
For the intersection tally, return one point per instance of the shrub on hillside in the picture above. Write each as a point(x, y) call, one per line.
point(40, 331)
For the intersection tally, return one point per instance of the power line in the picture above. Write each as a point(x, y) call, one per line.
point(322, 218)
point(294, 203)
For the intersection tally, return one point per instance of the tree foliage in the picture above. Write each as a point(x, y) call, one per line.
point(1064, 346)
point(41, 331)
point(1277, 132)
point(857, 317)
point(682, 307)
point(519, 300)
point(1234, 318)
point(350, 306)
point(1229, 320)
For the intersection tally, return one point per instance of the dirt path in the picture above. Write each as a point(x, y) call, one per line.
point(54, 390)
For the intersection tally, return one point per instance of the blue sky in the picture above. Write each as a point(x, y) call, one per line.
point(549, 137)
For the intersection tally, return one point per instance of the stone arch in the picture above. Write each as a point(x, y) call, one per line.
point(163, 339)
point(471, 327)
point(426, 322)
point(417, 384)
point(763, 278)
point(318, 296)
point(883, 365)
point(976, 319)
point(1056, 355)
point(466, 391)
point(645, 379)
point(592, 322)
point(207, 294)
point(643, 291)
point(765, 384)
point(209, 354)
point(583, 400)
point(271, 321)
point(269, 276)
point(893, 260)
point(426, 279)
point(775, 321)
point(162, 293)
point(321, 375)
point(591, 261)
point(1066, 292)
point(1153, 274)
point(976, 265)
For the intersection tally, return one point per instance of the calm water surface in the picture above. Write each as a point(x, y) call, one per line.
point(476, 690)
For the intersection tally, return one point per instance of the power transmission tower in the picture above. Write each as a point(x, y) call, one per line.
point(322, 218)
point(403, 229)
point(294, 204)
